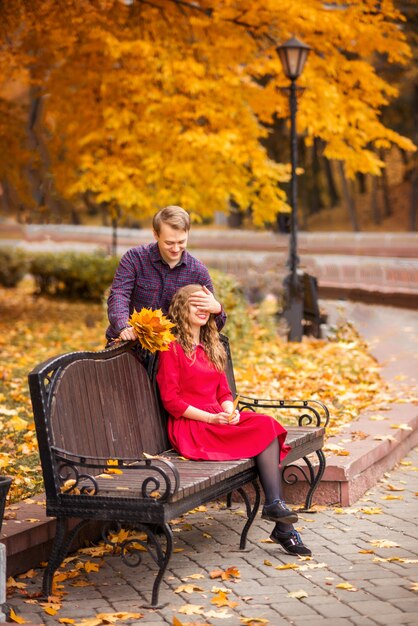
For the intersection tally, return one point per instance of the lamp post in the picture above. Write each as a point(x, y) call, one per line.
point(293, 54)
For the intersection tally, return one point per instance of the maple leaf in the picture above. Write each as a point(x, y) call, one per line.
point(188, 588)
point(152, 329)
point(230, 572)
point(16, 618)
point(191, 609)
point(222, 600)
point(91, 567)
point(11, 582)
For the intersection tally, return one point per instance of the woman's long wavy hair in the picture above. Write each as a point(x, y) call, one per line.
point(209, 335)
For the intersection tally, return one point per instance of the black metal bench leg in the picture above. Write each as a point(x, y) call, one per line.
point(251, 511)
point(315, 479)
point(163, 559)
point(60, 547)
point(229, 500)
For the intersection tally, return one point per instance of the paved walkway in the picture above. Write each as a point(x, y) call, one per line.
point(364, 570)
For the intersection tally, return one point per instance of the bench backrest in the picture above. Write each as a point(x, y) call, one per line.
point(100, 404)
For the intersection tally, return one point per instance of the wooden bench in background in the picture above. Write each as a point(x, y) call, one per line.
point(94, 407)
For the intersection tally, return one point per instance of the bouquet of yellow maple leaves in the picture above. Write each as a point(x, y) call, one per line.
point(152, 329)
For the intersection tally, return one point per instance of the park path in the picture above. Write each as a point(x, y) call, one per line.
point(364, 569)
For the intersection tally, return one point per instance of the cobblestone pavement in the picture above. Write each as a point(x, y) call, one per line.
point(371, 548)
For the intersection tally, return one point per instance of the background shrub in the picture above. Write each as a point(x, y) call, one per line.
point(14, 264)
point(84, 276)
point(229, 292)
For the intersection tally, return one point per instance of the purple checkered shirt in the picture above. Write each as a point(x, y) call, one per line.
point(143, 279)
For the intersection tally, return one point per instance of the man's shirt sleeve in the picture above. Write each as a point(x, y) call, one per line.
point(118, 303)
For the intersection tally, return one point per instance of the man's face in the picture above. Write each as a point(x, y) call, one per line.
point(171, 244)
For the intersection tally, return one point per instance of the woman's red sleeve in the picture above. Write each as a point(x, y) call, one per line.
point(223, 392)
point(168, 379)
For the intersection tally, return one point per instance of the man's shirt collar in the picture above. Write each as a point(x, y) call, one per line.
point(156, 256)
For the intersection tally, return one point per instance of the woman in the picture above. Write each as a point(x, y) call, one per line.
point(202, 425)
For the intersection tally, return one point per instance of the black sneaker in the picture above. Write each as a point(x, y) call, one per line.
point(277, 511)
point(291, 542)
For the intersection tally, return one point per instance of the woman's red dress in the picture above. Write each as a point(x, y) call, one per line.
point(185, 381)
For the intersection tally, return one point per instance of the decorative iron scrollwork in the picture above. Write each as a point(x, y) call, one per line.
point(130, 546)
point(314, 412)
point(312, 474)
point(77, 480)
point(158, 478)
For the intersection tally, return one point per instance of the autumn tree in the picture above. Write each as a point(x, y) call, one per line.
point(139, 104)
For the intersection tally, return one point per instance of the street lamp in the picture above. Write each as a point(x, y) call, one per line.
point(293, 54)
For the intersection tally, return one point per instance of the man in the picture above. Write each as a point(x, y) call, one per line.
point(149, 275)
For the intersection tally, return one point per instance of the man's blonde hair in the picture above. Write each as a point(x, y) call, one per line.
point(174, 216)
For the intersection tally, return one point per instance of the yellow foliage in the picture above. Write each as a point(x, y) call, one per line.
point(159, 103)
point(152, 329)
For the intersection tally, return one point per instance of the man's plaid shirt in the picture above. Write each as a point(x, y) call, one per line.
point(143, 279)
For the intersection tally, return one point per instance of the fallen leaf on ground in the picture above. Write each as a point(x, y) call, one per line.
point(401, 426)
point(177, 622)
point(254, 620)
point(12, 583)
point(230, 572)
point(31, 573)
point(298, 594)
point(222, 600)
point(16, 618)
point(394, 559)
point(346, 586)
point(287, 566)
point(188, 588)
point(222, 614)
point(373, 510)
point(91, 567)
point(384, 543)
point(191, 609)
point(390, 497)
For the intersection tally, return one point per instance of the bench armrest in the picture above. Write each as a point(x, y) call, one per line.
point(155, 473)
point(313, 412)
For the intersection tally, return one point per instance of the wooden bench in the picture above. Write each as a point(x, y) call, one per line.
point(94, 407)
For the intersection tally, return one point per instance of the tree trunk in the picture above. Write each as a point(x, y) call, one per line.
point(348, 199)
point(414, 174)
point(387, 208)
point(413, 201)
point(374, 204)
point(361, 179)
point(334, 196)
point(315, 203)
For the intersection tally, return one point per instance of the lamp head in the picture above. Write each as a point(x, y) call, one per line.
point(293, 54)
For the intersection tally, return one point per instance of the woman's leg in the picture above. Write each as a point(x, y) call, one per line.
point(275, 509)
point(267, 463)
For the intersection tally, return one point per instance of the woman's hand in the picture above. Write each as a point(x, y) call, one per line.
point(224, 418)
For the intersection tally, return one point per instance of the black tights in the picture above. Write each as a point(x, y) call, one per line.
point(267, 463)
